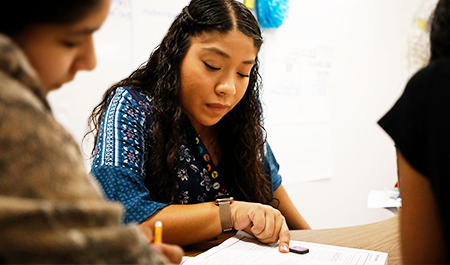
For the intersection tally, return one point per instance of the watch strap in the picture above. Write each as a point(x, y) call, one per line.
point(225, 213)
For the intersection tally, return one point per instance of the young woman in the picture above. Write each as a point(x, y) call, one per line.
point(51, 211)
point(186, 127)
point(419, 124)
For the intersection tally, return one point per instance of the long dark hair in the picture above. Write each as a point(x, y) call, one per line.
point(19, 14)
point(240, 133)
point(440, 31)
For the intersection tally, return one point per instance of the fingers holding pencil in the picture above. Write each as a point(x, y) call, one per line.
point(173, 252)
point(147, 233)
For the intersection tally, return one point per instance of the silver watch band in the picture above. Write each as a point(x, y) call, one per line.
point(225, 213)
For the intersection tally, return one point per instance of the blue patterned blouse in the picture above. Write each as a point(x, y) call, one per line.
point(119, 159)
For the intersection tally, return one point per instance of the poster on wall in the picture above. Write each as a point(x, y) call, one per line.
point(296, 81)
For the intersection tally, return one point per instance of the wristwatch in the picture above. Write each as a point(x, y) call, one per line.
point(224, 201)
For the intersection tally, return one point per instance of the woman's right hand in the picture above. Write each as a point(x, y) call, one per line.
point(264, 222)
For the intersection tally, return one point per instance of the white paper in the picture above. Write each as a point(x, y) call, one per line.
point(384, 199)
point(244, 249)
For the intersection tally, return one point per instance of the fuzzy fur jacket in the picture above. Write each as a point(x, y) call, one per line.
point(51, 210)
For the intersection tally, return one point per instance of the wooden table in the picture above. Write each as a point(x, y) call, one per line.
point(382, 236)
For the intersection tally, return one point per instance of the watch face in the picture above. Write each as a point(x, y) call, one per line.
point(226, 200)
point(222, 195)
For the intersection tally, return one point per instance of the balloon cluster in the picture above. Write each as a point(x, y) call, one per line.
point(271, 13)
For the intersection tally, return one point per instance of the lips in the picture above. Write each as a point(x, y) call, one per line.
point(217, 108)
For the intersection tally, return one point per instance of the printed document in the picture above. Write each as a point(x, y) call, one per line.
point(245, 249)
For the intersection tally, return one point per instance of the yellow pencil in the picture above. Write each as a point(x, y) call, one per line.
point(158, 232)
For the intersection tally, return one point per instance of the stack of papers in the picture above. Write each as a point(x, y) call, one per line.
point(245, 249)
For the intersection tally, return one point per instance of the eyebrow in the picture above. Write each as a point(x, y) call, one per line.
point(84, 31)
point(225, 55)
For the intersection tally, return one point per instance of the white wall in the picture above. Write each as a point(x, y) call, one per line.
point(369, 72)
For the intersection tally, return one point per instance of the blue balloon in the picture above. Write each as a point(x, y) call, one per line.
point(271, 13)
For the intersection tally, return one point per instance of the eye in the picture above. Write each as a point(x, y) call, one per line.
point(242, 75)
point(211, 67)
point(70, 44)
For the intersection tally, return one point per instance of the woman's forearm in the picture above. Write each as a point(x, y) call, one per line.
point(193, 223)
point(187, 224)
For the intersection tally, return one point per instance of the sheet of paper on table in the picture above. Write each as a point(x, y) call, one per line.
point(384, 198)
point(244, 249)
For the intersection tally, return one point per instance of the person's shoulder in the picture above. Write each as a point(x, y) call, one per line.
point(130, 92)
point(432, 78)
point(436, 69)
point(14, 94)
point(131, 97)
point(137, 94)
point(439, 65)
point(19, 107)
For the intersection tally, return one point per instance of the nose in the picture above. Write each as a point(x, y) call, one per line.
point(87, 59)
point(226, 86)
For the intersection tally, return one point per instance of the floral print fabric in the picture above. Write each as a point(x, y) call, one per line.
point(120, 154)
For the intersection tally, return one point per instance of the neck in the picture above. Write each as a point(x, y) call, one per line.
point(207, 134)
point(209, 139)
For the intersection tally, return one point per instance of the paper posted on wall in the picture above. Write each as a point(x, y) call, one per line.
point(245, 249)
